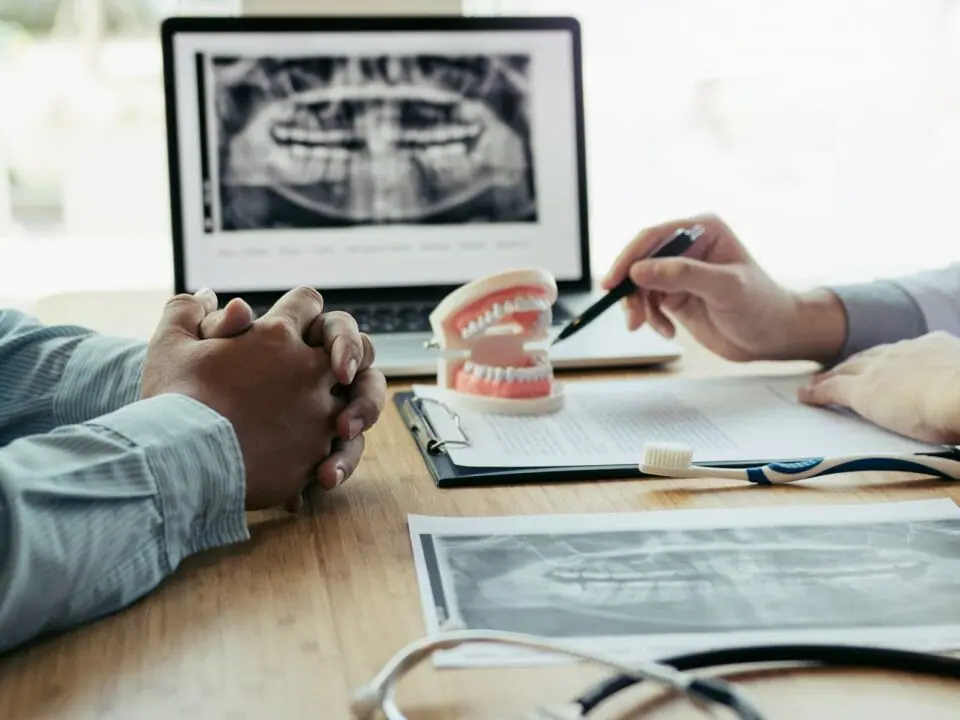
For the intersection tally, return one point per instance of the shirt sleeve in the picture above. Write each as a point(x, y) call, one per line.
point(102, 495)
point(877, 313)
point(61, 375)
point(95, 515)
point(937, 294)
point(901, 308)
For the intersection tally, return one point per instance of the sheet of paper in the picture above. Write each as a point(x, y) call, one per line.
point(607, 422)
point(647, 585)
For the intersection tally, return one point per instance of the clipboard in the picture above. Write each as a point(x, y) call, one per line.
point(447, 474)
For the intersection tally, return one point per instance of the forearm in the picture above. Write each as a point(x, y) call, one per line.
point(61, 375)
point(94, 516)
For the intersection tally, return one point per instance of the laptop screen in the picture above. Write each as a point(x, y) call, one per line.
point(355, 159)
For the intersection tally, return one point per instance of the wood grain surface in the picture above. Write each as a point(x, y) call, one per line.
point(288, 625)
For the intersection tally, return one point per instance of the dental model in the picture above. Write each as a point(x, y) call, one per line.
point(481, 330)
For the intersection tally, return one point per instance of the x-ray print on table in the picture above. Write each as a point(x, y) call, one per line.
point(695, 587)
point(319, 142)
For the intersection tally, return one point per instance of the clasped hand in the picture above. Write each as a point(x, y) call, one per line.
point(297, 384)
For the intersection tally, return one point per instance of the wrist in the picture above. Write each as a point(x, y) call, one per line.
point(817, 325)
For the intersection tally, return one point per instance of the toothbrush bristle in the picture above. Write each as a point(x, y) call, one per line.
point(667, 455)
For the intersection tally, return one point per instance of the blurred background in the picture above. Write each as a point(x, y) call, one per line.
point(827, 132)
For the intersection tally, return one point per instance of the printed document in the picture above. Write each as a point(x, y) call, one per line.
point(608, 422)
point(651, 584)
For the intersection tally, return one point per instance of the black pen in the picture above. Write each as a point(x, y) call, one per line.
point(677, 245)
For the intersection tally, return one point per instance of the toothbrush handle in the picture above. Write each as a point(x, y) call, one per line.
point(786, 472)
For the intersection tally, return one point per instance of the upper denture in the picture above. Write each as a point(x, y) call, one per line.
point(522, 304)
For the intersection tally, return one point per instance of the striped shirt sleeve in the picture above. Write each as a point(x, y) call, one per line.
point(101, 495)
point(61, 374)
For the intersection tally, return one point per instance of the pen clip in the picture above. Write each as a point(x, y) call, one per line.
point(692, 234)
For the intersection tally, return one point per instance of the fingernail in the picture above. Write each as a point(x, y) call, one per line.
point(208, 298)
point(355, 428)
point(341, 476)
point(351, 370)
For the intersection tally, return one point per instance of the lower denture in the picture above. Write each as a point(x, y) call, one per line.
point(467, 382)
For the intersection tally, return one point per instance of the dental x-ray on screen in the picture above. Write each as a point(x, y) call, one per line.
point(339, 141)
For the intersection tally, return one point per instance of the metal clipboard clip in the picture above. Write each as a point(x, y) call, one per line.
point(435, 444)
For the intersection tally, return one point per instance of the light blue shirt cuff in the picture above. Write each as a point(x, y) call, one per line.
point(878, 313)
point(937, 294)
point(194, 454)
point(102, 374)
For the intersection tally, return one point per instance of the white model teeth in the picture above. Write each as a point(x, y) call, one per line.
point(540, 371)
point(543, 320)
point(497, 311)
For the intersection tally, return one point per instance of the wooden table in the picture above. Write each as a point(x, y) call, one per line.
point(289, 624)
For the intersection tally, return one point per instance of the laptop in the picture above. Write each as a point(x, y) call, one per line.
point(385, 161)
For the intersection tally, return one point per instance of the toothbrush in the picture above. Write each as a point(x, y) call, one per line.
point(676, 460)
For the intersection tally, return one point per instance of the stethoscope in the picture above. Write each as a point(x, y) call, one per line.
point(839, 656)
point(375, 699)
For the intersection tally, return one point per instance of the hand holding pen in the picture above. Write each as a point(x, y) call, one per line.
point(680, 242)
point(724, 298)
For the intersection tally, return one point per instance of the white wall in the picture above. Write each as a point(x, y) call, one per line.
point(351, 7)
point(827, 132)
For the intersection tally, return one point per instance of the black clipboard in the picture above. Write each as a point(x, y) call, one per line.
point(447, 474)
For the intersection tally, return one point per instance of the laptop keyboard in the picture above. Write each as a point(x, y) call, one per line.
point(405, 317)
point(398, 318)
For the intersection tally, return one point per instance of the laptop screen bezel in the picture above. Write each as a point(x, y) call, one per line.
point(173, 26)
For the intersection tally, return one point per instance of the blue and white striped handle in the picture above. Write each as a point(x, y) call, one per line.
point(787, 472)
